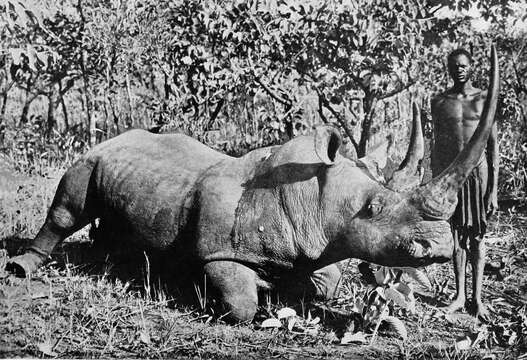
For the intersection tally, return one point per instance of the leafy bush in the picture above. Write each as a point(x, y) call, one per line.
point(241, 75)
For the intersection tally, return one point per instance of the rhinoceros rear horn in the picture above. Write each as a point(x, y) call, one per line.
point(327, 143)
point(408, 175)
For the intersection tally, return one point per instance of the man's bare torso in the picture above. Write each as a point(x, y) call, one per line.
point(455, 118)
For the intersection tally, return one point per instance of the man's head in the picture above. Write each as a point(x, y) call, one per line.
point(460, 66)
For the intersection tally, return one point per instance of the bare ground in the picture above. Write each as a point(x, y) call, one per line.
point(74, 311)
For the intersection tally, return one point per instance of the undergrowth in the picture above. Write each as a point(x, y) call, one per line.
point(65, 311)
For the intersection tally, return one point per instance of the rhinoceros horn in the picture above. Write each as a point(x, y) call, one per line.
point(438, 198)
point(408, 176)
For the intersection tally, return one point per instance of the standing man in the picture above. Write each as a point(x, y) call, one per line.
point(455, 115)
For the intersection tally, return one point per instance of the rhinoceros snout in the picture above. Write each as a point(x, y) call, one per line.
point(420, 249)
point(432, 242)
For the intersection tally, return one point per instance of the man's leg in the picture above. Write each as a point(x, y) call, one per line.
point(477, 259)
point(460, 266)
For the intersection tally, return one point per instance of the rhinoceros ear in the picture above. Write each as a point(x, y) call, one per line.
point(376, 159)
point(327, 143)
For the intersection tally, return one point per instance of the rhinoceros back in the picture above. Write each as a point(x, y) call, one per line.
point(141, 181)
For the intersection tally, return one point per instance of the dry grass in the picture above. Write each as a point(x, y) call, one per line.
point(65, 311)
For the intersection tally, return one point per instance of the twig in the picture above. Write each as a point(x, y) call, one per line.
point(381, 318)
point(215, 113)
point(285, 102)
point(321, 110)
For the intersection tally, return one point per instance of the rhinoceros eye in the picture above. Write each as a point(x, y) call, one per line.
point(374, 208)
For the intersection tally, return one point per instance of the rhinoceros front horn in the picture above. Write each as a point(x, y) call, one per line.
point(327, 143)
point(408, 176)
point(438, 198)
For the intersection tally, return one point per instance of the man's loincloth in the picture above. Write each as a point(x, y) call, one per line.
point(470, 217)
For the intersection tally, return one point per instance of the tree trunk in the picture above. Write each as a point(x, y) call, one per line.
point(369, 108)
point(108, 103)
point(130, 101)
point(25, 109)
point(91, 122)
point(50, 123)
point(2, 114)
point(63, 105)
point(3, 107)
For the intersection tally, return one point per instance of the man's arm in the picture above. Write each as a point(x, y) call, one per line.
point(493, 165)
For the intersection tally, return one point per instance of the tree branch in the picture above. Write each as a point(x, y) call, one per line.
point(398, 90)
point(215, 113)
point(321, 110)
point(520, 85)
point(285, 102)
point(342, 122)
point(370, 102)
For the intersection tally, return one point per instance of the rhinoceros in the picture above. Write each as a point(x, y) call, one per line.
point(289, 211)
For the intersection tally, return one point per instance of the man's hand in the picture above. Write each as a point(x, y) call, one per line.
point(492, 203)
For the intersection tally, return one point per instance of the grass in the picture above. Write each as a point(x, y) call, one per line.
point(68, 311)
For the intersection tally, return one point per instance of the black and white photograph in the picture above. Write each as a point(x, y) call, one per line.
point(263, 179)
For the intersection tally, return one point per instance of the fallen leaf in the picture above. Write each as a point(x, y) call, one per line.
point(399, 298)
point(271, 323)
point(291, 323)
point(314, 321)
point(285, 313)
point(463, 344)
point(396, 325)
point(419, 277)
point(47, 349)
point(358, 337)
point(144, 337)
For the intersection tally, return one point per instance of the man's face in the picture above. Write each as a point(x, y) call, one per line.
point(460, 69)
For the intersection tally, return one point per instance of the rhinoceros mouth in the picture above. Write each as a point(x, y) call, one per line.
point(416, 249)
point(420, 249)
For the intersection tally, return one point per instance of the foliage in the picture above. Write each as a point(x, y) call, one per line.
point(241, 75)
point(34, 154)
point(75, 313)
point(343, 53)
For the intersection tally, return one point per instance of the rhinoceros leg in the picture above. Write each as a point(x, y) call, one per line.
point(236, 287)
point(67, 214)
point(321, 284)
point(326, 281)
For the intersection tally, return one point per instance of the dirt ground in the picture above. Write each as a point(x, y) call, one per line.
point(80, 311)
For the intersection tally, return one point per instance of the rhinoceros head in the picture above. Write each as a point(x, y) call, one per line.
point(399, 222)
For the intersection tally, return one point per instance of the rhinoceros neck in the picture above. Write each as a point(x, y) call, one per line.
point(345, 194)
point(302, 210)
point(277, 220)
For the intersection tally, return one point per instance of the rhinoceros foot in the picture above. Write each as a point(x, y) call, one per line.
point(24, 265)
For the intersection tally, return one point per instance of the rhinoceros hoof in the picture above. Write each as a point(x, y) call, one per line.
point(24, 265)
